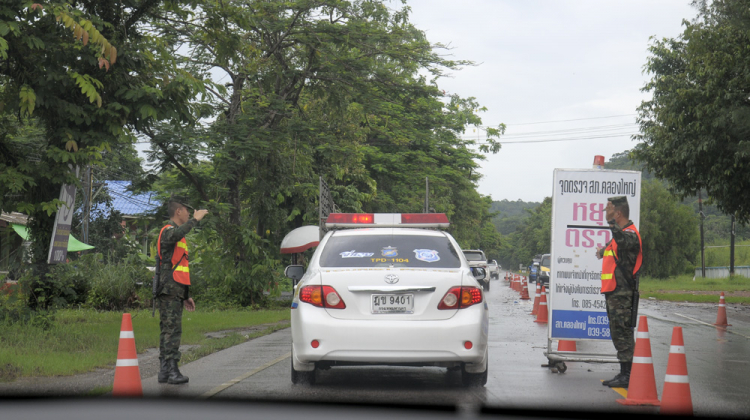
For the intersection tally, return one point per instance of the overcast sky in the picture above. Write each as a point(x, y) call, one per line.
point(543, 61)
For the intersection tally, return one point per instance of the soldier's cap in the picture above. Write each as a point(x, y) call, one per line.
point(618, 200)
point(182, 200)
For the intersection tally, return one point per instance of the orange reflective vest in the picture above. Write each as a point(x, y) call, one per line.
point(180, 270)
point(609, 262)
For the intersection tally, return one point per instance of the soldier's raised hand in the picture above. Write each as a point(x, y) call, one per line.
point(198, 215)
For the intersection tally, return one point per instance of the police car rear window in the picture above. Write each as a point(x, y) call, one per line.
point(474, 256)
point(385, 250)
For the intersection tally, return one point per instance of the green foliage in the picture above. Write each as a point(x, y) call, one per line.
point(696, 125)
point(89, 281)
point(531, 239)
point(315, 88)
point(669, 231)
point(114, 286)
point(510, 215)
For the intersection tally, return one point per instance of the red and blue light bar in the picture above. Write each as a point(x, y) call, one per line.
point(419, 220)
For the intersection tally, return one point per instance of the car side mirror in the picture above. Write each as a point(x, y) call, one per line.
point(478, 273)
point(294, 272)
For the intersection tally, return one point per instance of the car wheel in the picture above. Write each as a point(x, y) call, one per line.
point(474, 379)
point(300, 377)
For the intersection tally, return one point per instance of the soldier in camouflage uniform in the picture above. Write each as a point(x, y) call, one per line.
point(174, 289)
point(622, 260)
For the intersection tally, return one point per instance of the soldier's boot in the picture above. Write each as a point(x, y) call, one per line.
point(163, 375)
point(617, 377)
point(175, 377)
point(624, 379)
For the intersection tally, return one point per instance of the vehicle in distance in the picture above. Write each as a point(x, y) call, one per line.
point(544, 266)
point(494, 268)
point(388, 294)
point(476, 258)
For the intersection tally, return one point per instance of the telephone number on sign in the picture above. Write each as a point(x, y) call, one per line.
point(598, 332)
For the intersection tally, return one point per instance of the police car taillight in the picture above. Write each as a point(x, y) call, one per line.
point(322, 297)
point(461, 297)
point(422, 220)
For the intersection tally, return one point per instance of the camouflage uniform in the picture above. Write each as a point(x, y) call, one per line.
point(620, 300)
point(172, 294)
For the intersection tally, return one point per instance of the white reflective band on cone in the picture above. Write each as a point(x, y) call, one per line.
point(640, 334)
point(127, 362)
point(543, 303)
point(643, 360)
point(127, 334)
point(676, 379)
point(722, 305)
point(677, 349)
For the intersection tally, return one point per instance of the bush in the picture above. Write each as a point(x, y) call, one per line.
point(113, 286)
point(13, 306)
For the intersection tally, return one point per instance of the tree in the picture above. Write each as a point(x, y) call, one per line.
point(669, 231)
point(534, 236)
point(81, 77)
point(695, 128)
point(336, 89)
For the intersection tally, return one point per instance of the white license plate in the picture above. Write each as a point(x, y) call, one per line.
point(393, 304)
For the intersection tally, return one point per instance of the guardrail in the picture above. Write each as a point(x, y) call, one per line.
point(723, 272)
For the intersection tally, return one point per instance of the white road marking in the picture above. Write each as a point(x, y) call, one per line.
point(711, 325)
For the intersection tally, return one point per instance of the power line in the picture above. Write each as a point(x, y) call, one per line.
point(575, 119)
point(555, 140)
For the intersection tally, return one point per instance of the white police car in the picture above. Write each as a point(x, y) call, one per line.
point(388, 293)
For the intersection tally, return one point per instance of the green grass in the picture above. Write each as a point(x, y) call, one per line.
point(681, 288)
point(719, 257)
point(82, 340)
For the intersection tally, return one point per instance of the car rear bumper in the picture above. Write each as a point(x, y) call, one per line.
point(389, 342)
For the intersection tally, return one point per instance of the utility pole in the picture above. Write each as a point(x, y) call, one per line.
point(426, 194)
point(731, 250)
point(86, 204)
point(703, 246)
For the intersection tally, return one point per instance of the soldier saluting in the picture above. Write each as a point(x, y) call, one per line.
point(173, 290)
point(621, 260)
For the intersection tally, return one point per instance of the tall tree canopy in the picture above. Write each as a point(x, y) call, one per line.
point(696, 127)
point(345, 90)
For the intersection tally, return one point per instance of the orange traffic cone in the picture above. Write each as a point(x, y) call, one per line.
point(127, 375)
point(566, 345)
point(675, 398)
point(721, 317)
point(642, 386)
point(541, 316)
point(536, 299)
point(525, 290)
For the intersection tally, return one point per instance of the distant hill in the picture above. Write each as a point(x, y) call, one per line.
point(511, 214)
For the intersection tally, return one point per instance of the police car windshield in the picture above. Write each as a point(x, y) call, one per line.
point(385, 250)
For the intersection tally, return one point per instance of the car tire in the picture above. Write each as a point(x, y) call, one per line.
point(300, 377)
point(474, 379)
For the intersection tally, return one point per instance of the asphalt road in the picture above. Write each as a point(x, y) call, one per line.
point(717, 360)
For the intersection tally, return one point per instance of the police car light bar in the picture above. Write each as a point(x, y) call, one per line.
point(420, 220)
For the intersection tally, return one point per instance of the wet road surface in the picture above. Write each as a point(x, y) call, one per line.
point(718, 367)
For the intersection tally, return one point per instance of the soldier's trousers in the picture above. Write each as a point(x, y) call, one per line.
point(619, 304)
point(170, 323)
